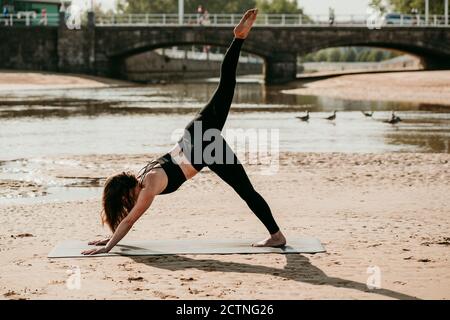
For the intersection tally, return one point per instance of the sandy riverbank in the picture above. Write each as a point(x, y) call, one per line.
point(387, 210)
point(12, 80)
point(428, 87)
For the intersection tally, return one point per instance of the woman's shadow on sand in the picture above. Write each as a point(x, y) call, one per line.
point(297, 268)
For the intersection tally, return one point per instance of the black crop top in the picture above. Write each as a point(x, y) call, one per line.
point(175, 176)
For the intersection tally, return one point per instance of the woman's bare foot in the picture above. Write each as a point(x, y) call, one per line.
point(275, 240)
point(243, 28)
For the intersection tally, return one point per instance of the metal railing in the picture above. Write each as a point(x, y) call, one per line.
point(267, 20)
point(29, 18)
point(149, 19)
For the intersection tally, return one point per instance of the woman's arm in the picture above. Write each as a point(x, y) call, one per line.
point(143, 202)
point(99, 242)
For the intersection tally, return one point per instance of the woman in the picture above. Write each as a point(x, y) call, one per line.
point(126, 197)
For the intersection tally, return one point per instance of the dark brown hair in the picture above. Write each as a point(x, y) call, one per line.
point(118, 198)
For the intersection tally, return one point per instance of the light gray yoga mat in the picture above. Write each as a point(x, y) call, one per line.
point(73, 248)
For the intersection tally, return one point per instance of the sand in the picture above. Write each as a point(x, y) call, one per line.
point(16, 80)
point(385, 210)
point(428, 87)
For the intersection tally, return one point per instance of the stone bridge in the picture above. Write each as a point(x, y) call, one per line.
point(102, 50)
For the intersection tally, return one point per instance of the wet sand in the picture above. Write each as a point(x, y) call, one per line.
point(385, 210)
point(428, 87)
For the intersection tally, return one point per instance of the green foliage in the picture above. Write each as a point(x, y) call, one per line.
point(145, 6)
point(321, 56)
point(278, 6)
point(190, 6)
point(350, 54)
point(375, 56)
point(406, 6)
point(363, 56)
point(379, 4)
point(98, 10)
point(333, 55)
point(213, 6)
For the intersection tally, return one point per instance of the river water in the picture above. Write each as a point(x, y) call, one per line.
point(35, 124)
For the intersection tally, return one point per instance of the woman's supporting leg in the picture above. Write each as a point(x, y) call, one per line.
point(234, 175)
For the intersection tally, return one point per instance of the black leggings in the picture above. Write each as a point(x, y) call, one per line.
point(213, 116)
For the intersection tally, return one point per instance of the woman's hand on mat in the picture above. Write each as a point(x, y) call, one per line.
point(91, 252)
point(99, 242)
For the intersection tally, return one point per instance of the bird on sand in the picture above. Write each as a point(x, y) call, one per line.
point(304, 118)
point(332, 117)
point(394, 119)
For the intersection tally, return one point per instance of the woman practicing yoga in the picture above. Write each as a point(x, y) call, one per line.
point(126, 197)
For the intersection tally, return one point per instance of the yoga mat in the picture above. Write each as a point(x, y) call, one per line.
point(73, 248)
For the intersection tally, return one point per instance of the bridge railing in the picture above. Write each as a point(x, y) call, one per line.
point(268, 20)
point(29, 18)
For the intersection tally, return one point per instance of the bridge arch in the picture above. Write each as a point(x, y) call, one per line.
point(431, 45)
point(429, 57)
point(278, 46)
point(125, 63)
point(137, 41)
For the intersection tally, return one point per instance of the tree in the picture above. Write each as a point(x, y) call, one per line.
point(362, 56)
point(98, 10)
point(308, 58)
point(142, 6)
point(406, 6)
point(351, 55)
point(375, 55)
point(321, 56)
point(278, 6)
point(213, 6)
point(190, 6)
point(380, 5)
point(334, 55)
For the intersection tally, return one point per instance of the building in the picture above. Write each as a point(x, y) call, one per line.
point(34, 11)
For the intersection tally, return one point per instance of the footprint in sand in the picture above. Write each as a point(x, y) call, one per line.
point(22, 235)
point(135, 279)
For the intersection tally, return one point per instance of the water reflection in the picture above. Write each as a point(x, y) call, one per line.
point(177, 99)
point(79, 121)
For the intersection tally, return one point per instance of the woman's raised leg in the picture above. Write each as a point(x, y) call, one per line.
point(215, 112)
